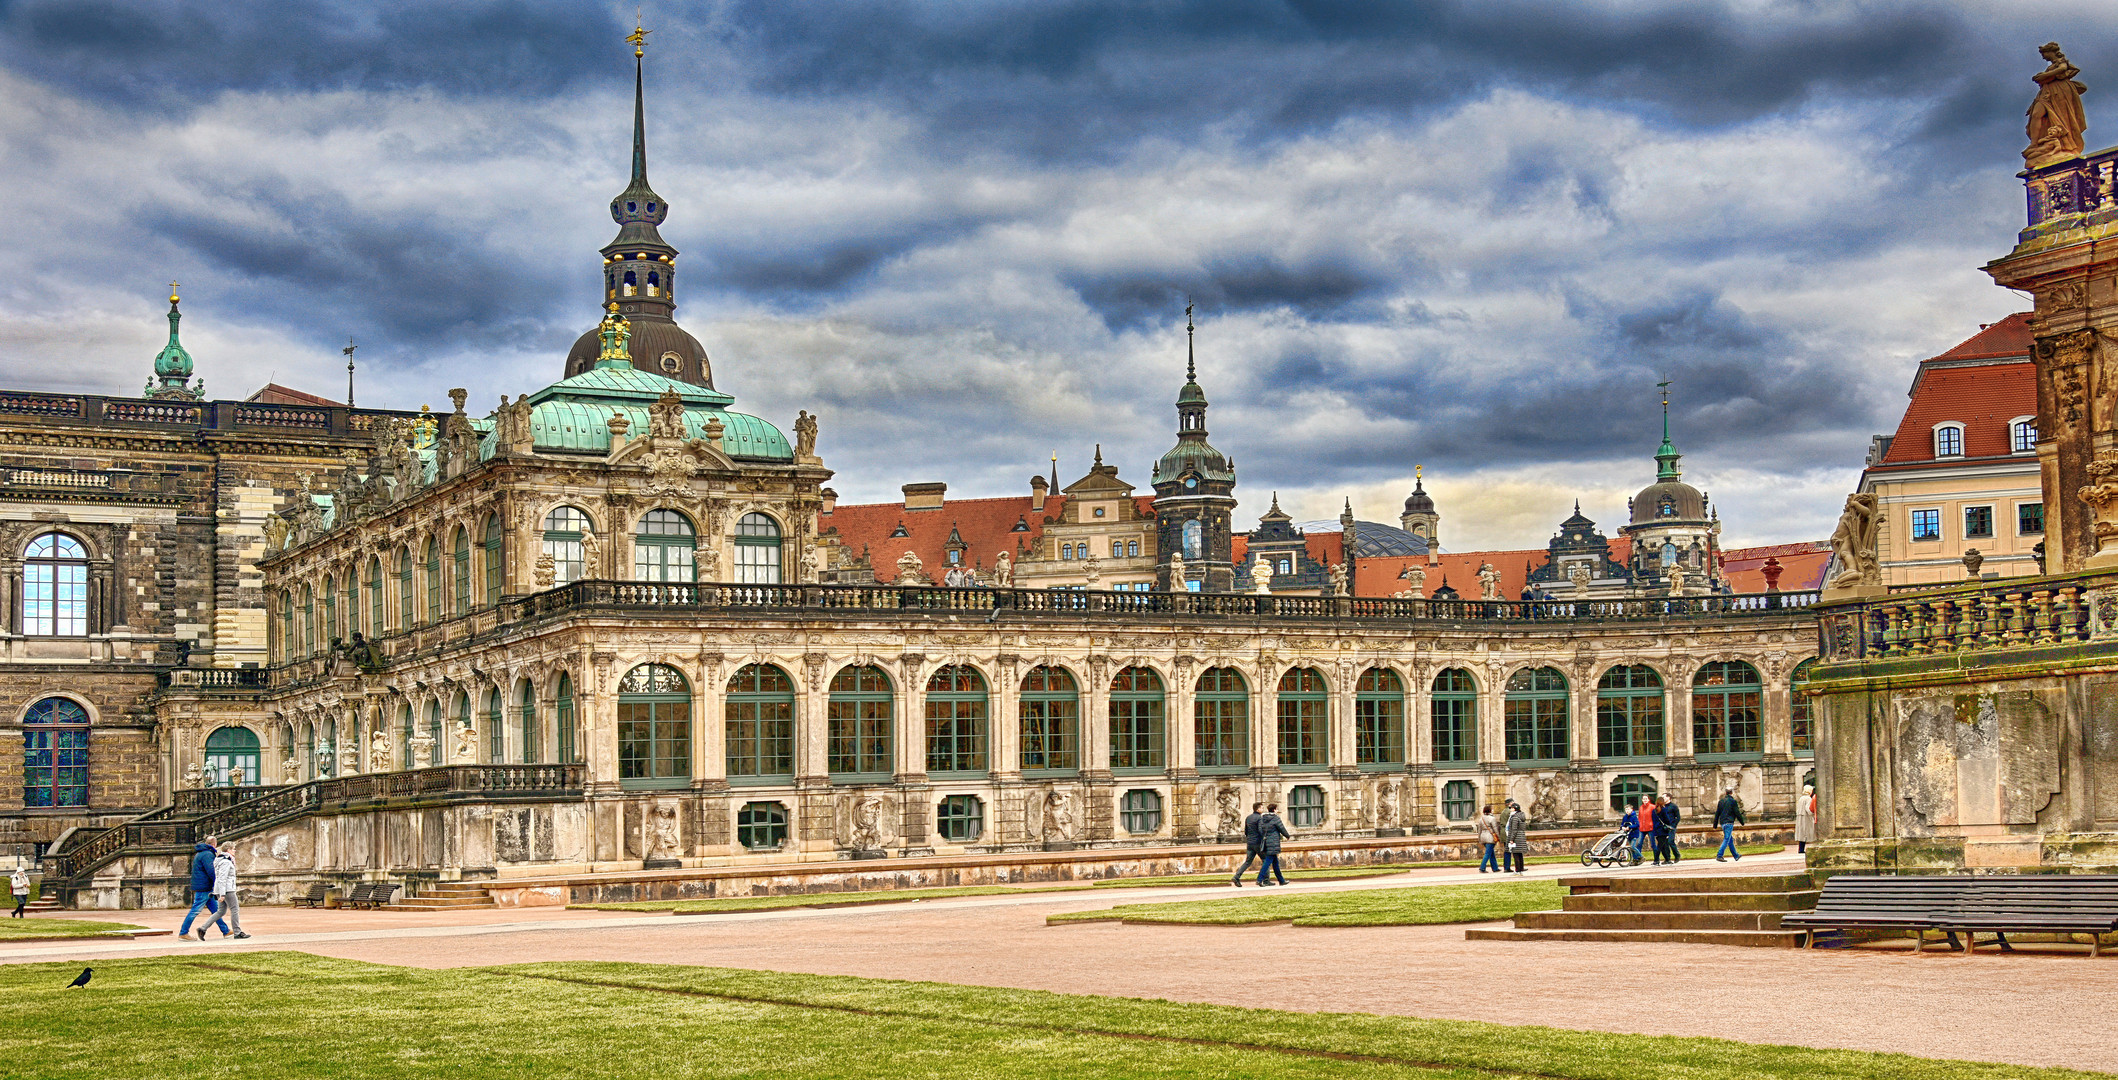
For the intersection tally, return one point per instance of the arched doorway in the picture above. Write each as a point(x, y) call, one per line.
point(228, 750)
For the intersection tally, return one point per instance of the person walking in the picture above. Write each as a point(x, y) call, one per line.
point(19, 882)
point(1630, 822)
point(1250, 842)
point(1666, 819)
point(1805, 819)
point(1489, 836)
point(202, 890)
point(224, 888)
point(1728, 814)
point(1518, 836)
point(1270, 830)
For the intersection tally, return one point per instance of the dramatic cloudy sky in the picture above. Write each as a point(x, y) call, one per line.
point(1472, 234)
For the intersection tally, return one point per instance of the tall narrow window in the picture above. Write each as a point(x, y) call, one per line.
point(654, 728)
point(663, 548)
point(55, 587)
point(1534, 717)
point(1221, 720)
point(433, 580)
point(461, 572)
point(405, 736)
point(352, 601)
point(1304, 720)
point(757, 550)
point(406, 593)
point(289, 627)
point(308, 621)
point(2023, 437)
point(1454, 710)
point(375, 624)
point(956, 720)
point(1051, 721)
point(530, 742)
point(1379, 718)
point(563, 721)
point(495, 727)
point(861, 713)
point(495, 572)
point(1726, 701)
point(55, 754)
point(563, 532)
point(331, 635)
point(1629, 713)
point(1803, 727)
point(1948, 441)
point(760, 718)
point(1138, 720)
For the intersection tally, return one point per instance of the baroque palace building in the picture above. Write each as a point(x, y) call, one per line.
point(616, 622)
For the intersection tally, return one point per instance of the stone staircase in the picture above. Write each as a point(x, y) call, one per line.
point(445, 896)
point(1697, 910)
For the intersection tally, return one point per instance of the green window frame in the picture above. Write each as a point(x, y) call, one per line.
point(1139, 721)
point(1220, 713)
point(654, 728)
point(1629, 714)
point(443, 734)
point(1140, 811)
point(55, 754)
point(433, 580)
point(230, 748)
point(1727, 704)
point(530, 741)
point(1459, 800)
point(1304, 708)
point(757, 550)
point(1631, 789)
point(495, 727)
point(1534, 716)
point(564, 530)
point(461, 573)
point(956, 720)
point(495, 570)
point(1050, 723)
point(308, 621)
point(406, 593)
point(1801, 716)
point(761, 826)
point(760, 724)
point(331, 634)
point(563, 721)
point(375, 608)
point(861, 724)
point(1305, 806)
point(352, 625)
point(1379, 720)
point(1453, 717)
point(665, 548)
point(960, 819)
point(404, 743)
point(289, 628)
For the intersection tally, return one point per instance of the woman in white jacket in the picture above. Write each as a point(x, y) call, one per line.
point(225, 888)
point(1805, 819)
point(19, 883)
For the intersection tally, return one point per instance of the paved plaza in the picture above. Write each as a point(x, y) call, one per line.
point(1852, 999)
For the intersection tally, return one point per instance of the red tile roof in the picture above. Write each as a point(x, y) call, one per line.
point(1801, 566)
point(987, 527)
point(2008, 337)
point(1984, 398)
point(275, 394)
point(1458, 569)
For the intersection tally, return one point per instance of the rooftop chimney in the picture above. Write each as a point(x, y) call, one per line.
point(924, 496)
point(830, 500)
point(1038, 490)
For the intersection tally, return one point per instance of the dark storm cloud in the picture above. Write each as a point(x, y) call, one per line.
point(1325, 287)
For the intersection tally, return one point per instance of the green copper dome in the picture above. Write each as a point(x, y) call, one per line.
point(172, 366)
point(574, 414)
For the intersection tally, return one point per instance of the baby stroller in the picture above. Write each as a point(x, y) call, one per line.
point(1613, 850)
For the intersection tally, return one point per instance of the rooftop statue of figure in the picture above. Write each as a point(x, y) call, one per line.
point(2057, 121)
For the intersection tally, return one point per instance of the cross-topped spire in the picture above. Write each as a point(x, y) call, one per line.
point(1666, 457)
point(1191, 364)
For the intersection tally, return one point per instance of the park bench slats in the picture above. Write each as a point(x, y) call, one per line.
point(2075, 903)
point(314, 897)
point(369, 894)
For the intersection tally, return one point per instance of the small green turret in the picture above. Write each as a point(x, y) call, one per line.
point(172, 366)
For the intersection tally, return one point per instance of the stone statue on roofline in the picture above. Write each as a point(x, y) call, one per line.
point(2056, 119)
point(908, 569)
point(1338, 579)
point(1488, 582)
point(804, 435)
point(1261, 577)
point(1176, 571)
point(1854, 545)
point(1415, 579)
point(1003, 571)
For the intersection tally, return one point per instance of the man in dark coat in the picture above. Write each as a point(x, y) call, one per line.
point(202, 889)
point(1666, 830)
point(1270, 830)
point(1250, 842)
point(1728, 814)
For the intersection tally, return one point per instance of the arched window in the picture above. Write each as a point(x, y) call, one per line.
point(352, 601)
point(1132, 549)
point(654, 728)
point(289, 627)
point(1629, 713)
point(1051, 721)
point(760, 826)
point(757, 550)
point(760, 715)
point(1949, 440)
point(1194, 540)
point(663, 548)
point(445, 737)
point(563, 532)
point(1117, 547)
point(1802, 726)
point(1140, 811)
point(433, 580)
point(462, 572)
point(375, 623)
point(1305, 806)
point(330, 635)
point(1138, 721)
point(960, 818)
point(632, 281)
point(1221, 720)
point(404, 741)
point(1379, 718)
point(2022, 436)
point(495, 727)
point(306, 748)
point(308, 621)
point(527, 695)
point(1066, 552)
point(233, 758)
point(1459, 800)
point(1454, 709)
point(956, 720)
point(437, 738)
point(495, 572)
point(55, 587)
point(1534, 716)
point(654, 282)
point(1725, 705)
point(861, 714)
point(406, 593)
point(563, 721)
point(1632, 789)
point(1304, 720)
point(55, 754)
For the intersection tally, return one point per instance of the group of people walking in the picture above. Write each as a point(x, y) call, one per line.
point(214, 889)
point(1262, 832)
point(1652, 825)
point(1508, 835)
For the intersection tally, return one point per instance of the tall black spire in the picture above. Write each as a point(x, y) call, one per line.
point(639, 266)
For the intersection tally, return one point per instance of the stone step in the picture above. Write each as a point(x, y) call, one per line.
point(1649, 920)
point(1715, 901)
point(1682, 883)
point(438, 903)
point(1776, 939)
point(455, 888)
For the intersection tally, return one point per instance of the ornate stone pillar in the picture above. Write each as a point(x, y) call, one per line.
point(1183, 745)
point(709, 743)
point(1095, 718)
point(1004, 713)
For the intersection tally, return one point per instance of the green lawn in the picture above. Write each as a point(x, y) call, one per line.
point(1364, 907)
point(720, 904)
point(29, 929)
point(1326, 874)
point(263, 1016)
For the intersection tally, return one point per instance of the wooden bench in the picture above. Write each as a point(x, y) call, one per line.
point(369, 894)
point(1967, 904)
point(314, 897)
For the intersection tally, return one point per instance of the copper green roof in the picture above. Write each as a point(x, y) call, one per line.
point(1194, 454)
point(574, 414)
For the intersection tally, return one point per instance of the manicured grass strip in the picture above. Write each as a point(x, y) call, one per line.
point(31, 929)
point(1364, 907)
point(1329, 873)
point(720, 904)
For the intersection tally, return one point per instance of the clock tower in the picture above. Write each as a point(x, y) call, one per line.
point(1194, 494)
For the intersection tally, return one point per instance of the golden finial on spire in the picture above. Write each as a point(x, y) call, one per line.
point(1419, 472)
point(638, 38)
point(173, 286)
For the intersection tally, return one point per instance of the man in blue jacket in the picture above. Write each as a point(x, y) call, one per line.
point(202, 889)
point(1270, 831)
point(1666, 831)
point(1728, 814)
point(1250, 841)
